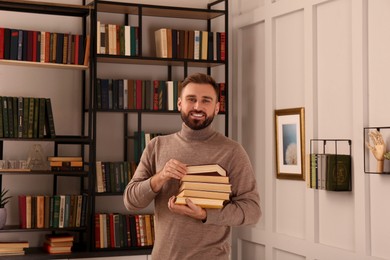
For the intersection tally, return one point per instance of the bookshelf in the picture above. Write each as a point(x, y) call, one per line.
point(123, 122)
point(73, 140)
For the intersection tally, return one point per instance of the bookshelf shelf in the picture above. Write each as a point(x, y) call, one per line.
point(43, 65)
point(64, 173)
point(16, 228)
point(105, 58)
point(159, 11)
point(45, 8)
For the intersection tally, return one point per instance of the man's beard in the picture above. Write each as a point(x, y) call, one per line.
point(195, 124)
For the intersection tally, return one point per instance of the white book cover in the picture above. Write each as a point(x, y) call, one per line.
point(127, 40)
point(170, 95)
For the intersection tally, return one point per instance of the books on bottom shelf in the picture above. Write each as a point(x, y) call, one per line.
point(205, 185)
point(114, 230)
point(58, 243)
point(13, 248)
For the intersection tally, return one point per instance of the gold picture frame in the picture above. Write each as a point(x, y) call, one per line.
point(290, 143)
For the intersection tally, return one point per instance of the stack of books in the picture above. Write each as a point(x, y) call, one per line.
point(58, 243)
point(13, 248)
point(66, 163)
point(205, 185)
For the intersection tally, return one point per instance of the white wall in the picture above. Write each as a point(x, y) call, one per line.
point(332, 58)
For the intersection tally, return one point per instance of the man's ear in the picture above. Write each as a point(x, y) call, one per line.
point(216, 108)
point(179, 104)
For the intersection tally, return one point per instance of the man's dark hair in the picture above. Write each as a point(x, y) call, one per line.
point(200, 78)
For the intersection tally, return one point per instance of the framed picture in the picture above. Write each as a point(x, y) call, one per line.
point(290, 143)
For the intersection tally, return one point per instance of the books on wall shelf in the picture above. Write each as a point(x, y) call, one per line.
point(330, 172)
point(113, 176)
point(136, 94)
point(192, 45)
point(26, 117)
point(205, 185)
point(56, 211)
point(66, 163)
point(58, 243)
point(116, 39)
point(44, 47)
point(13, 248)
point(114, 230)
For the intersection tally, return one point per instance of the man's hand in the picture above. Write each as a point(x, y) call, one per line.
point(191, 210)
point(173, 169)
point(379, 147)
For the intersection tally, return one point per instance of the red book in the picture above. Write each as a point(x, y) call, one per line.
point(1, 43)
point(222, 101)
point(34, 45)
point(156, 84)
point(138, 101)
point(29, 45)
point(97, 230)
point(22, 211)
point(47, 46)
point(223, 45)
point(76, 48)
point(112, 230)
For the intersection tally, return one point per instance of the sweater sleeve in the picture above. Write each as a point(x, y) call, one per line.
point(244, 206)
point(138, 193)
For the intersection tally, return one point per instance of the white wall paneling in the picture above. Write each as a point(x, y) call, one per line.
point(331, 57)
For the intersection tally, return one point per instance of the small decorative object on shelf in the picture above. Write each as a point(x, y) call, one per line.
point(376, 151)
point(4, 199)
point(36, 158)
point(378, 148)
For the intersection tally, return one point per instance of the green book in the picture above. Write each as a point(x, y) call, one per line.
point(26, 105)
point(15, 114)
point(10, 117)
point(56, 211)
point(30, 131)
point(4, 104)
point(20, 117)
point(41, 117)
point(338, 172)
point(1, 117)
point(49, 120)
point(36, 118)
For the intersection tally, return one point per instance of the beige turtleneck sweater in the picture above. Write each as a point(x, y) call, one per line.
point(180, 237)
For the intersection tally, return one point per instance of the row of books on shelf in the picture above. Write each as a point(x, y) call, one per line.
point(156, 95)
point(330, 172)
point(196, 45)
point(116, 39)
point(42, 46)
point(56, 211)
point(26, 117)
point(9, 248)
point(205, 185)
point(113, 176)
point(113, 230)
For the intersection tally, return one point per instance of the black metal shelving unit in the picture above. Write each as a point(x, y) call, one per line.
point(138, 11)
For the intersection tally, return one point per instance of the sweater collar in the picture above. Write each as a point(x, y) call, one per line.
point(196, 135)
